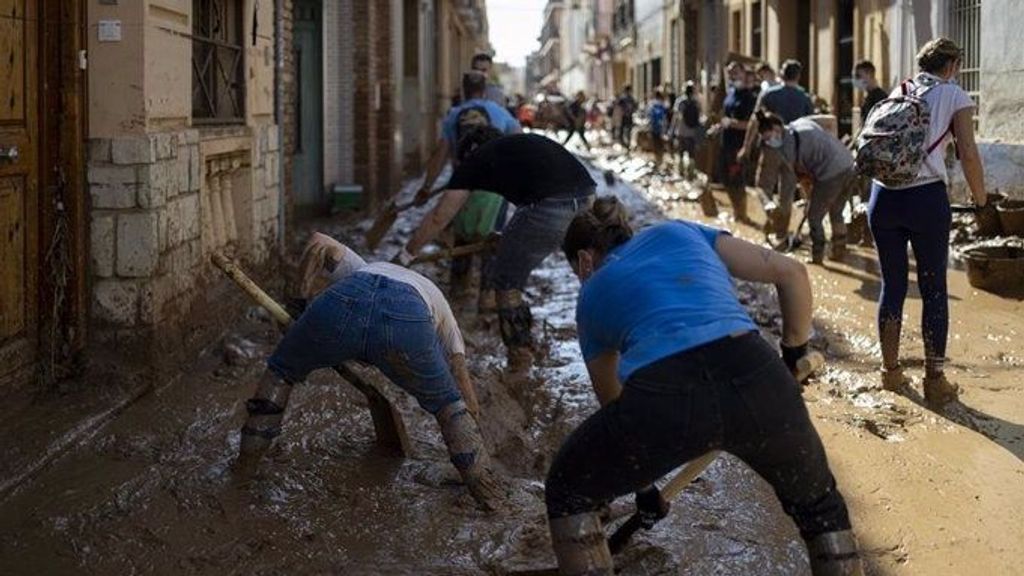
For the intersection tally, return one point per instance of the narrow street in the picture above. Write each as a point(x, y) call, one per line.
point(152, 491)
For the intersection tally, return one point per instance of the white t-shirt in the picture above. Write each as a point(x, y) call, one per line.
point(944, 100)
point(440, 312)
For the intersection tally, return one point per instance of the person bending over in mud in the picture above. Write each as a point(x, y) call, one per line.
point(680, 369)
point(546, 183)
point(392, 318)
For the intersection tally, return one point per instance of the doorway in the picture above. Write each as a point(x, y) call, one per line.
point(308, 159)
point(844, 64)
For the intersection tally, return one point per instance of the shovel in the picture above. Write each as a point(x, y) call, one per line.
point(387, 420)
point(386, 219)
point(458, 251)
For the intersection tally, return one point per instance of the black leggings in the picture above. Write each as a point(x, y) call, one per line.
point(733, 394)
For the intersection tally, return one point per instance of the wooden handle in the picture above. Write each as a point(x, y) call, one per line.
point(688, 474)
point(456, 251)
point(249, 287)
point(808, 365)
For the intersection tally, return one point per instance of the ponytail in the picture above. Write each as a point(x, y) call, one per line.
point(601, 227)
point(767, 120)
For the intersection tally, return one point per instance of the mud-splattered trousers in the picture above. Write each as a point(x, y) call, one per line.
point(376, 320)
point(535, 231)
point(733, 394)
point(920, 216)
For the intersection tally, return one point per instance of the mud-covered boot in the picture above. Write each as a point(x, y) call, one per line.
point(818, 254)
point(580, 546)
point(837, 250)
point(894, 380)
point(487, 302)
point(469, 455)
point(835, 554)
point(265, 413)
point(938, 391)
point(516, 321)
point(738, 199)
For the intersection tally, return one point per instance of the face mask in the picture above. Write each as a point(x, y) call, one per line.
point(738, 84)
point(860, 84)
point(774, 142)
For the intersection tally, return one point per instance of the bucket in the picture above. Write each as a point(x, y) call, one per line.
point(998, 269)
point(1011, 216)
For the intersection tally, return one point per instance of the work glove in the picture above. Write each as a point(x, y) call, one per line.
point(422, 196)
point(792, 354)
point(650, 507)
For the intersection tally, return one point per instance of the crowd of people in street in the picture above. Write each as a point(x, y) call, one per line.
point(659, 352)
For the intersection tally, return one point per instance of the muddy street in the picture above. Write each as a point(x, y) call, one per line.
point(152, 491)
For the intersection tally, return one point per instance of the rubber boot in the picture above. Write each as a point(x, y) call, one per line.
point(835, 554)
point(837, 250)
point(938, 391)
point(487, 302)
point(266, 411)
point(580, 546)
point(469, 455)
point(738, 198)
point(894, 380)
point(515, 321)
point(818, 254)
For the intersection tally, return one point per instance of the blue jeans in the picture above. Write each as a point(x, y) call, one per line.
point(535, 231)
point(922, 217)
point(376, 320)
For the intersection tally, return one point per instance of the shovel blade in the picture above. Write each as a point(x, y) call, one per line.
point(385, 220)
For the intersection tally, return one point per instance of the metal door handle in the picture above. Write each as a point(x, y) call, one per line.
point(10, 154)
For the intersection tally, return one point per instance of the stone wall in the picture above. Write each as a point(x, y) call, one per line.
point(159, 208)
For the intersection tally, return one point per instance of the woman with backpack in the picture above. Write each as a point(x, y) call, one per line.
point(902, 147)
point(680, 369)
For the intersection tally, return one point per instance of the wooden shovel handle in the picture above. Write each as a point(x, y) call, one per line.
point(249, 287)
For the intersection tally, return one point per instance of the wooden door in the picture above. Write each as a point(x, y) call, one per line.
point(308, 159)
point(19, 184)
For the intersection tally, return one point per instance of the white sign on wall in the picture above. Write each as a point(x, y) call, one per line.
point(110, 31)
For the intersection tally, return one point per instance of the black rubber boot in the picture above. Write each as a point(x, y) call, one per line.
point(835, 554)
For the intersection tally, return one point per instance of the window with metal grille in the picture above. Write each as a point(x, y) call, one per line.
point(218, 78)
point(965, 30)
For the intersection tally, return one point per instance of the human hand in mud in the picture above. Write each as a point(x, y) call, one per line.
point(422, 196)
point(650, 506)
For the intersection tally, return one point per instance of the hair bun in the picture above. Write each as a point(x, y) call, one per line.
point(609, 211)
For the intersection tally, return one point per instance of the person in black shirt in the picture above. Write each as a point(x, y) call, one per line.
point(577, 116)
point(739, 104)
point(864, 78)
point(546, 183)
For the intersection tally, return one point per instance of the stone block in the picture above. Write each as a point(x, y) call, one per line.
point(152, 297)
point(111, 174)
point(181, 172)
point(189, 137)
point(165, 145)
point(115, 301)
point(270, 170)
point(195, 169)
point(182, 219)
point(138, 244)
point(99, 150)
point(101, 244)
point(135, 150)
point(273, 141)
point(156, 182)
point(112, 196)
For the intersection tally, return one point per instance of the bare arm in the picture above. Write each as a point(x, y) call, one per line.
point(434, 166)
point(604, 376)
point(465, 383)
point(748, 139)
point(970, 159)
point(435, 221)
point(755, 263)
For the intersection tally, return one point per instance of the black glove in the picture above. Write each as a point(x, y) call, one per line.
point(650, 506)
point(790, 355)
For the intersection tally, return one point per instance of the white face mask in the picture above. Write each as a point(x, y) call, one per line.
point(860, 83)
point(774, 141)
point(738, 84)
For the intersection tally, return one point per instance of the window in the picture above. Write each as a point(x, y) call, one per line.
point(756, 32)
point(736, 43)
point(218, 78)
point(965, 30)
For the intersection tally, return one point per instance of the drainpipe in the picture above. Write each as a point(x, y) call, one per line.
point(279, 48)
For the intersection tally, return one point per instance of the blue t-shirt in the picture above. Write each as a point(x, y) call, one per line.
point(663, 292)
point(500, 119)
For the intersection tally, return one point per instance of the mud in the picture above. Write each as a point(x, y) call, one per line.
point(153, 492)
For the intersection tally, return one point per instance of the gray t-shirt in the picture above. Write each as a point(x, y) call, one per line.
point(821, 153)
point(788, 102)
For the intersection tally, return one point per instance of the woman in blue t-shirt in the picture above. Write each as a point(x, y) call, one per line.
point(680, 369)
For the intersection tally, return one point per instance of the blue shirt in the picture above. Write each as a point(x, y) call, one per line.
point(663, 292)
point(500, 119)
